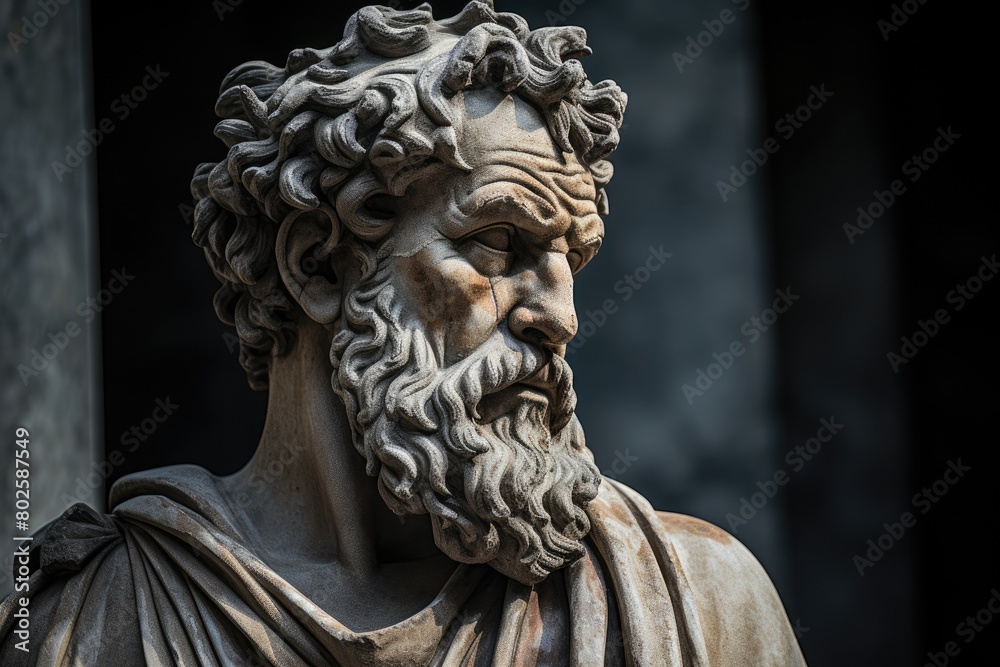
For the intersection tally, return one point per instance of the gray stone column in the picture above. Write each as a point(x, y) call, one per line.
point(48, 264)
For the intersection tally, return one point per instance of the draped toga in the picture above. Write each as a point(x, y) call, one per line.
point(167, 579)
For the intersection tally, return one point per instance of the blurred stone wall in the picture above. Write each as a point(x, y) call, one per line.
point(47, 263)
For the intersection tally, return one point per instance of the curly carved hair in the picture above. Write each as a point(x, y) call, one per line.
point(368, 116)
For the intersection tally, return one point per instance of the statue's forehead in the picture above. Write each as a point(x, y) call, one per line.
point(494, 121)
point(504, 112)
point(516, 164)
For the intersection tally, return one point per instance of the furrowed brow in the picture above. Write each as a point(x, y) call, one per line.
point(518, 205)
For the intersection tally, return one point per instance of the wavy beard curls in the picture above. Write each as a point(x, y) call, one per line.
point(511, 492)
point(368, 116)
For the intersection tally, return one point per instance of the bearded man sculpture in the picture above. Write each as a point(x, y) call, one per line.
point(403, 212)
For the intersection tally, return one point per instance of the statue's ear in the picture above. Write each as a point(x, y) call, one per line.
point(303, 248)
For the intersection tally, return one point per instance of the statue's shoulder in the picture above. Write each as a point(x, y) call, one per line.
point(707, 554)
point(730, 604)
point(702, 547)
point(179, 482)
point(75, 574)
point(714, 559)
point(88, 575)
point(170, 497)
point(737, 601)
point(705, 547)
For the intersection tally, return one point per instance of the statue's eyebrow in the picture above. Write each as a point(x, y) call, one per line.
point(515, 210)
point(542, 203)
point(523, 208)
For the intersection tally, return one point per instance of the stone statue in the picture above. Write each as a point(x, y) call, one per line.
point(396, 227)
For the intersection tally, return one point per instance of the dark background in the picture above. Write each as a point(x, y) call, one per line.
point(162, 339)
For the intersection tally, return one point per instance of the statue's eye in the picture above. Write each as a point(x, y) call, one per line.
point(499, 238)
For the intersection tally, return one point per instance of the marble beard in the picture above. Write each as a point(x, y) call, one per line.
point(525, 472)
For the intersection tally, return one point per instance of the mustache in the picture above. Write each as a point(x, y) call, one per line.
point(429, 400)
point(554, 378)
point(506, 361)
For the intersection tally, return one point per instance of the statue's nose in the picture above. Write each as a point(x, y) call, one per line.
point(545, 313)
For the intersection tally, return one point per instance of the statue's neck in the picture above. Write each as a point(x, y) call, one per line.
point(305, 496)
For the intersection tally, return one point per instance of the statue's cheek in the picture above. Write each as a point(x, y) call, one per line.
point(453, 301)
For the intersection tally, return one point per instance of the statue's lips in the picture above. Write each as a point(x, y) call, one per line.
point(541, 381)
point(539, 386)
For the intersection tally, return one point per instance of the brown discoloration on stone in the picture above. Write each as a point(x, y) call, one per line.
point(448, 297)
point(620, 513)
point(689, 524)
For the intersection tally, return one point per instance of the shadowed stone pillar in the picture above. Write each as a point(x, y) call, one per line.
point(47, 266)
